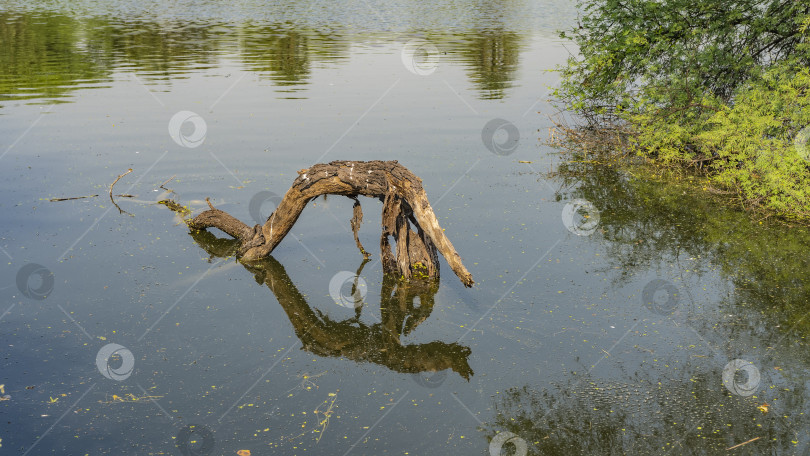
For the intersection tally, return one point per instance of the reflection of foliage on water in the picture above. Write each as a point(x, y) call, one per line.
point(692, 414)
point(284, 55)
point(42, 55)
point(681, 404)
point(49, 55)
point(158, 51)
point(492, 58)
point(46, 55)
point(649, 220)
point(288, 59)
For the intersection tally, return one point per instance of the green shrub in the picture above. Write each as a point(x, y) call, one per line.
point(720, 87)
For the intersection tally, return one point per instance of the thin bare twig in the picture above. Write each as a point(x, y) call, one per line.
point(111, 190)
point(744, 443)
point(167, 181)
point(116, 181)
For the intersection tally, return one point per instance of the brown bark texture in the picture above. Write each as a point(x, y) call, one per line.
point(407, 217)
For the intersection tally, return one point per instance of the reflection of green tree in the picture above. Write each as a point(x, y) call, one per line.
point(287, 55)
point(492, 57)
point(284, 55)
point(44, 56)
point(692, 414)
point(159, 51)
point(48, 55)
point(648, 220)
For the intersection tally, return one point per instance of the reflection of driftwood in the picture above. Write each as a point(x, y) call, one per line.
point(405, 203)
point(379, 343)
point(163, 185)
point(73, 198)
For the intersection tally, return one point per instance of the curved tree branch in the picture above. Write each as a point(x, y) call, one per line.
point(405, 203)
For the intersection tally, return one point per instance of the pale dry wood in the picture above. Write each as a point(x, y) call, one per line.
point(167, 181)
point(744, 443)
point(116, 181)
point(405, 205)
point(120, 211)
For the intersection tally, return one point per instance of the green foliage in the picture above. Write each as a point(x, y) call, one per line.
point(721, 87)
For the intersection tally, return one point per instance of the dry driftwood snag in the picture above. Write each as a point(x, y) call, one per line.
point(405, 206)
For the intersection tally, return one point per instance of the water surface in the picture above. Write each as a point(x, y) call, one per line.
point(608, 310)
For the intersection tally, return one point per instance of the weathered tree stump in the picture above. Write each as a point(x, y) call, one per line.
point(404, 200)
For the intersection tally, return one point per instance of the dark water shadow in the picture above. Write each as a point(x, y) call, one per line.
point(379, 343)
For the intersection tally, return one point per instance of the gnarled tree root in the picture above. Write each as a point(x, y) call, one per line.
point(404, 200)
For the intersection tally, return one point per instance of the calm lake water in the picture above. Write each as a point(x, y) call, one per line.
point(613, 312)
